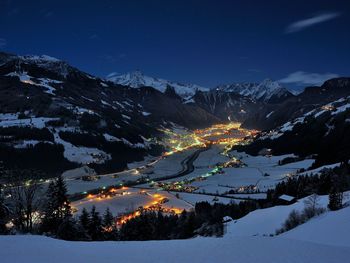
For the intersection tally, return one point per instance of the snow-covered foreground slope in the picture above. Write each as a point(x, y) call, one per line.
point(35, 249)
point(265, 222)
point(332, 228)
point(322, 239)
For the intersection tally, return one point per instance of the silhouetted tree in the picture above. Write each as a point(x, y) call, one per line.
point(84, 219)
point(57, 207)
point(95, 225)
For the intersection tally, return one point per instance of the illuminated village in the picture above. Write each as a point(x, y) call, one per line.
point(223, 136)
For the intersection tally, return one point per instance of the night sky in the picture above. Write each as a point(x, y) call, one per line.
point(202, 42)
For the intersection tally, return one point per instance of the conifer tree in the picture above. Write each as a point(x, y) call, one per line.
point(84, 219)
point(108, 219)
point(57, 207)
point(95, 225)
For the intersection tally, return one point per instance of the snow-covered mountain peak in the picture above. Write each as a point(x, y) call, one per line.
point(137, 79)
point(265, 90)
point(41, 58)
point(26, 62)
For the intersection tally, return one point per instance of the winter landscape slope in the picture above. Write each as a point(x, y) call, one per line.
point(302, 244)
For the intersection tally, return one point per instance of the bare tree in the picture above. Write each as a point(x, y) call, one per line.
point(24, 191)
point(312, 206)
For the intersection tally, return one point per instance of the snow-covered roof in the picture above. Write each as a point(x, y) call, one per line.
point(287, 198)
point(227, 219)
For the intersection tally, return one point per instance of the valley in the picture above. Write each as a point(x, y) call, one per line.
point(198, 166)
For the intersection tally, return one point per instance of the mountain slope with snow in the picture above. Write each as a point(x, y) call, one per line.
point(137, 79)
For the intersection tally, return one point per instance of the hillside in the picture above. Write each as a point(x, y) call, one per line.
point(328, 123)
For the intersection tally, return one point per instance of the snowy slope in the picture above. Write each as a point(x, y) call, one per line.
point(322, 239)
point(264, 222)
point(323, 228)
point(264, 91)
point(334, 108)
point(36, 249)
point(137, 79)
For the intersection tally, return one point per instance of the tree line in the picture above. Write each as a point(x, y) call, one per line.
point(23, 210)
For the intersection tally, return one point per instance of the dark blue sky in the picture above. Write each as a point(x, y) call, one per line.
point(203, 42)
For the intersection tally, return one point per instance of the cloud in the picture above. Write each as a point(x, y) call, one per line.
point(3, 42)
point(112, 74)
point(303, 24)
point(301, 78)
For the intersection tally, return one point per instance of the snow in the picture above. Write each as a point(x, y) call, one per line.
point(27, 143)
point(259, 91)
point(210, 157)
point(195, 198)
point(37, 122)
point(288, 126)
point(8, 116)
point(252, 174)
point(105, 103)
point(268, 115)
point(249, 196)
point(36, 58)
point(78, 172)
point(341, 109)
point(43, 82)
point(137, 79)
point(322, 229)
point(110, 138)
point(286, 198)
point(83, 155)
point(81, 110)
point(126, 116)
point(40, 249)
point(128, 200)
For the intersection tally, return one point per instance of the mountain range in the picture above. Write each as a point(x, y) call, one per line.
point(137, 79)
point(267, 90)
point(55, 117)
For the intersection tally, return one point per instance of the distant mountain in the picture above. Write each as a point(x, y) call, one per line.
point(227, 105)
point(137, 79)
point(267, 91)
